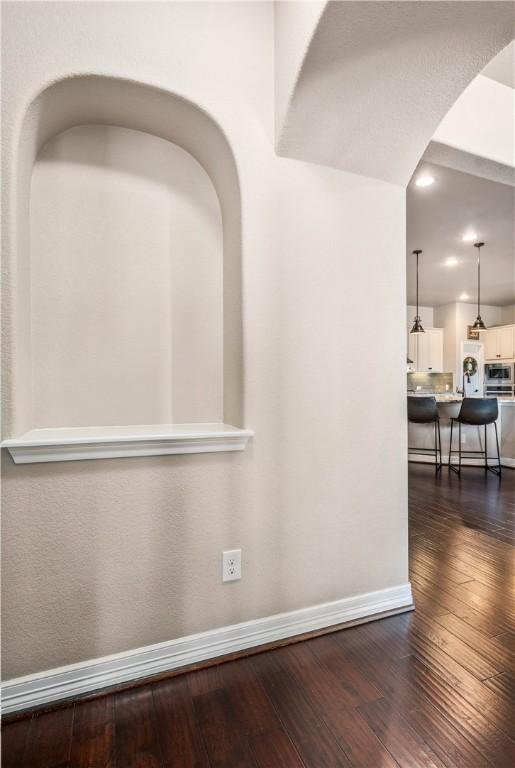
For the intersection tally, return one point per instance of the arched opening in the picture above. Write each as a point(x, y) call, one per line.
point(379, 77)
point(460, 211)
point(372, 84)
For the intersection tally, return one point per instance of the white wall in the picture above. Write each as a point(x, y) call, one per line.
point(465, 316)
point(103, 556)
point(126, 282)
point(455, 319)
point(508, 315)
point(294, 24)
point(467, 313)
point(426, 316)
point(445, 317)
point(482, 121)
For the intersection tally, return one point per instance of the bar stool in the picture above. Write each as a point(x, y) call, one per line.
point(476, 411)
point(423, 410)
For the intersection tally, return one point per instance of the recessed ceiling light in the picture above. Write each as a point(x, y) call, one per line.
point(451, 261)
point(425, 181)
point(464, 297)
point(468, 237)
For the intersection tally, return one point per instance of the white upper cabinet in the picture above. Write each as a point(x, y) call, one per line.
point(426, 350)
point(507, 342)
point(490, 339)
point(499, 343)
point(436, 350)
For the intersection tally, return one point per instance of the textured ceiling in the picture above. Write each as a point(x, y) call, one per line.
point(378, 77)
point(437, 217)
point(502, 67)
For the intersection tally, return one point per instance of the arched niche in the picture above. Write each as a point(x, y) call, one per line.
point(153, 147)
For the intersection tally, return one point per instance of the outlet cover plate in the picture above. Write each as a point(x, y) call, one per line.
point(231, 565)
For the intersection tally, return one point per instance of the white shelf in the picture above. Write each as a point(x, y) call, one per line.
point(78, 443)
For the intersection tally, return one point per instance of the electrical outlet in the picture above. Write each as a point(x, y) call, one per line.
point(231, 565)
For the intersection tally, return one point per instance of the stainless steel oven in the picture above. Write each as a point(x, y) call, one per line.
point(499, 378)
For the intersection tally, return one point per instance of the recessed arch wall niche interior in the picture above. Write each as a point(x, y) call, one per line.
point(125, 257)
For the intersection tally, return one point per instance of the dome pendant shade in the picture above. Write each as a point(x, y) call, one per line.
point(417, 325)
point(479, 324)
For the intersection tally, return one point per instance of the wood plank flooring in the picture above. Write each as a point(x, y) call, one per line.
point(431, 688)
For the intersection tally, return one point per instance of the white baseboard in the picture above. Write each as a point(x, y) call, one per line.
point(424, 458)
point(78, 679)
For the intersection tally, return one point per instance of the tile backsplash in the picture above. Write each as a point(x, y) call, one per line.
point(432, 383)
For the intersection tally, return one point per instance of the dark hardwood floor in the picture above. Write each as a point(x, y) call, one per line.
point(431, 688)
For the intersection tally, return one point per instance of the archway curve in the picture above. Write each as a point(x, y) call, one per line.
point(376, 79)
point(97, 99)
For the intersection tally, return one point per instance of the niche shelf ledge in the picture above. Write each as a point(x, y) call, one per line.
point(79, 443)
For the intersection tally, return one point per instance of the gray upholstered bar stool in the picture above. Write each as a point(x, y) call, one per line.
point(478, 412)
point(423, 410)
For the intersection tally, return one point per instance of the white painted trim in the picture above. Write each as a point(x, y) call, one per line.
point(77, 443)
point(422, 458)
point(76, 679)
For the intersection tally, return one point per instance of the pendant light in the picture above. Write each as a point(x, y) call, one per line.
point(417, 325)
point(479, 324)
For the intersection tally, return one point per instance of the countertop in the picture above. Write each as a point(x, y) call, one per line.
point(440, 398)
point(454, 398)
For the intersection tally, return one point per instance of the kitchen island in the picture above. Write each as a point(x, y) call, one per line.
point(422, 435)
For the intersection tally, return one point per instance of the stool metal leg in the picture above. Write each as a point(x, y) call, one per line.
point(450, 447)
point(498, 452)
point(454, 467)
point(459, 447)
point(439, 445)
point(486, 451)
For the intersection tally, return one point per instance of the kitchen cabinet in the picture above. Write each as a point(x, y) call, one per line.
point(426, 350)
point(507, 342)
point(499, 343)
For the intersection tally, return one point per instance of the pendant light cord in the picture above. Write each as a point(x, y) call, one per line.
point(417, 286)
point(417, 254)
point(478, 246)
point(479, 280)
